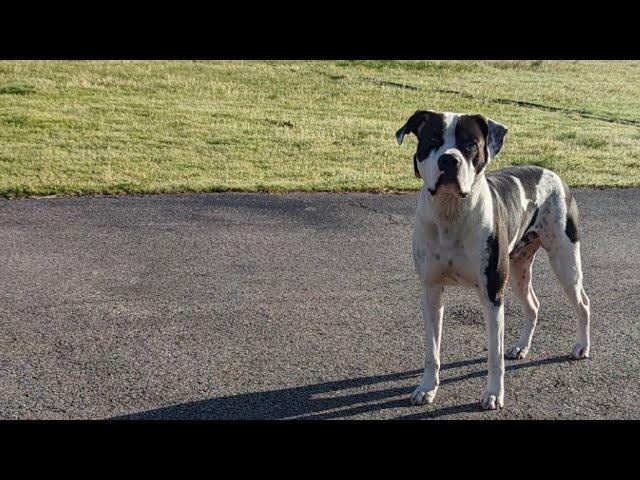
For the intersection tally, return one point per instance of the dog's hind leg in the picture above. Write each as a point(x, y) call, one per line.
point(560, 236)
point(521, 265)
point(565, 261)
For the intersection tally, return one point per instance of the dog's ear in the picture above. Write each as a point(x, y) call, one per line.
point(495, 133)
point(413, 125)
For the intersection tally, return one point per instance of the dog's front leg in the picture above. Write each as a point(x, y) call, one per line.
point(493, 396)
point(492, 282)
point(432, 309)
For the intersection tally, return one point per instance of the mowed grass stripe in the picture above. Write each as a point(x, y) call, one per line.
point(161, 127)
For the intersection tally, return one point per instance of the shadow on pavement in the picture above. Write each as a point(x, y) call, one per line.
point(323, 400)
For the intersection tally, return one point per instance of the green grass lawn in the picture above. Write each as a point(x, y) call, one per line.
point(148, 127)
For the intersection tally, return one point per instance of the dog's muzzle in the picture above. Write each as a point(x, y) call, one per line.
point(449, 166)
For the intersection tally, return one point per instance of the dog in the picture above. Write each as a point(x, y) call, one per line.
point(482, 230)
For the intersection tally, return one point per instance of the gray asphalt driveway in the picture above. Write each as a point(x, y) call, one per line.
point(225, 306)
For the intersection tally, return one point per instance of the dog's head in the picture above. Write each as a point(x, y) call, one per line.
point(453, 149)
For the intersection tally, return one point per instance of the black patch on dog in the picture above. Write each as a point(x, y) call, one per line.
point(471, 136)
point(495, 278)
point(573, 217)
point(428, 127)
point(571, 230)
point(533, 220)
point(431, 137)
point(415, 167)
point(529, 176)
point(413, 123)
point(497, 245)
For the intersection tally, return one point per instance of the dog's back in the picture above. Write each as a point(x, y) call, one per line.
point(533, 199)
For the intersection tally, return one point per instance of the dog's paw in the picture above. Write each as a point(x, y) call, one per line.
point(492, 400)
point(579, 351)
point(516, 352)
point(420, 396)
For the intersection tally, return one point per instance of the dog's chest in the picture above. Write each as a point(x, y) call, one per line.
point(442, 255)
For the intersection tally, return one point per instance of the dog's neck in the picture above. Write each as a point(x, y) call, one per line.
point(452, 209)
point(448, 208)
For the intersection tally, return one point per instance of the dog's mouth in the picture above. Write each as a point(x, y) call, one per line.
point(447, 186)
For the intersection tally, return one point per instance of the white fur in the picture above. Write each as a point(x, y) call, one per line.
point(448, 249)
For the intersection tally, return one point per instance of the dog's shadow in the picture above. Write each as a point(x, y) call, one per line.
point(323, 400)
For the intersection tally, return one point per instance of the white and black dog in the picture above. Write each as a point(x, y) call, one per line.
point(479, 231)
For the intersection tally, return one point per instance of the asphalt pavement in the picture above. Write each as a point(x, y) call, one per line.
point(296, 306)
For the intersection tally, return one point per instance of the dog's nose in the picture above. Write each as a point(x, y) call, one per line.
point(448, 163)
